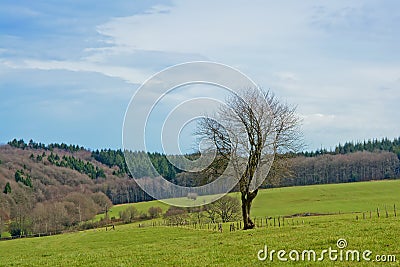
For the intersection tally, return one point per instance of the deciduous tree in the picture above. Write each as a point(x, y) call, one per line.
point(248, 131)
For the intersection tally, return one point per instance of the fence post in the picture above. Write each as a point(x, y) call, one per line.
point(394, 209)
point(377, 211)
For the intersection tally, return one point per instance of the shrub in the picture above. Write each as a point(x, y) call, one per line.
point(154, 212)
point(129, 214)
point(176, 215)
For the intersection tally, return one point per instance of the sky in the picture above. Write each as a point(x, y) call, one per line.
point(68, 69)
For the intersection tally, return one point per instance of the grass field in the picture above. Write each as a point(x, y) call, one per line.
point(130, 245)
point(332, 198)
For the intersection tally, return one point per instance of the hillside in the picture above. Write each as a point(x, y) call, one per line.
point(131, 245)
point(48, 189)
point(318, 199)
point(174, 246)
point(57, 186)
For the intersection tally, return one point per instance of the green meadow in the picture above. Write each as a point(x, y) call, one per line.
point(325, 199)
point(129, 245)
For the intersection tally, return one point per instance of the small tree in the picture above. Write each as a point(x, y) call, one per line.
point(1, 225)
point(84, 206)
point(176, 215)
point(28, 181)
point(154, 212)
point(19, 176)
point(226, 209)
point(15, 229)
point(102, 201)
point(7, 188)
point(129, 214)
point(192, 196)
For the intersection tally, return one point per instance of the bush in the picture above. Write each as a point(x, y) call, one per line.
point(143, 216)
point(15, 229)
point(129, 214)
point(176, 215)
point(225, 209)
point(154, 212)
point(7, 188)
point(192, 196)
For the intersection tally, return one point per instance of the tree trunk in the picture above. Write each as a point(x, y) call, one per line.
point(247, 200)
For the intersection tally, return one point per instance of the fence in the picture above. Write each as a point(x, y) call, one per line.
point(266, 222)
point(378, 213)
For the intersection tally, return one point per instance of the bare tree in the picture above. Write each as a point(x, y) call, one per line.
point(226, 208)
point(154, 212)
point(176, 215)
point(246, 134)
point(192, 196)
point(1, 225)
point(129, 214)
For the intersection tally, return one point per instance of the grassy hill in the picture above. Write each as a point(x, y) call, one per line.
point(332, 198)
point(129, 245)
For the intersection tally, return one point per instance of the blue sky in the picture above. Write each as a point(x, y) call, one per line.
point(68, 69)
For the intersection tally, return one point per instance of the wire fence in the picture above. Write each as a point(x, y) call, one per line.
point(260, 222)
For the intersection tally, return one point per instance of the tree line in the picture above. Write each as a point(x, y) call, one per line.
point(351, 162)
point(27, 217)
point(342, 168)
point(141, 167)
point(351, 147)
point(34, 145)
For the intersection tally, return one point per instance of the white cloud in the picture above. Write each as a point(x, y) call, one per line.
point(312, 119)
point(330, 58)
point(130, 75)
point(207, 28)
point(286, 76)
